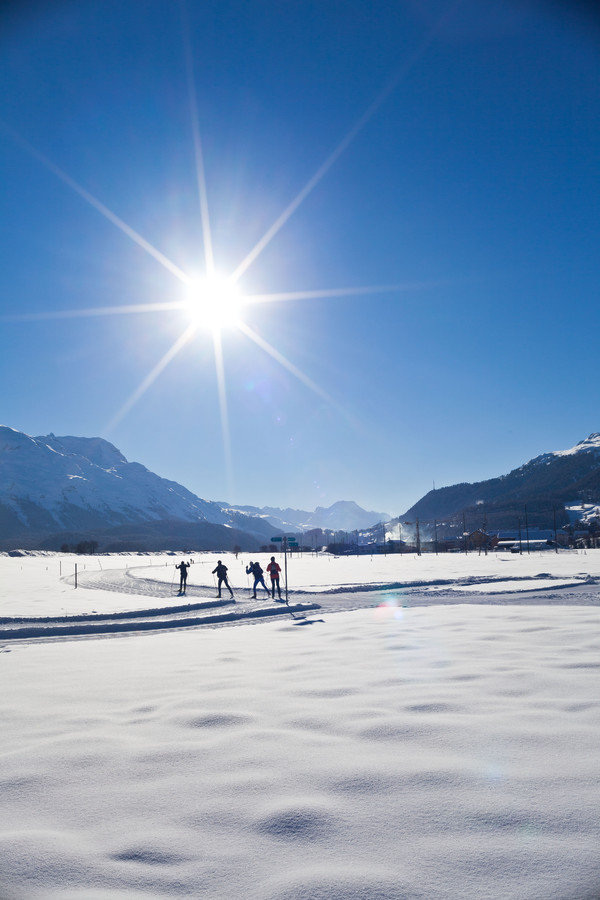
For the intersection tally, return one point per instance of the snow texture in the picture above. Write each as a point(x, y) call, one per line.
point(437, 741)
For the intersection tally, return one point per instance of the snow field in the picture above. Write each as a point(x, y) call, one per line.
point(440, 753)
point(389, 753)
point(40, 585)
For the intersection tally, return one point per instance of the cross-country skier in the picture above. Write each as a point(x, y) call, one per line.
point(183, 567)
point(255, 569)
point(274, 569)
point(221, 571)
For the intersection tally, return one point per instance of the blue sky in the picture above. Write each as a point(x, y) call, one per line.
point(451, 150)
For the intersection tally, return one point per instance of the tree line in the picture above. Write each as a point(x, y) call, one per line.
point(82, 548)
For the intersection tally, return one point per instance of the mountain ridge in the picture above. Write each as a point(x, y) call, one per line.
point(77, 486)
point(343, 515)
point(542, 488)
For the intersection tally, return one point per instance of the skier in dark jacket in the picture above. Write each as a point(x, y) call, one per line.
point(221, 572)
point(255, 569)
point(183, 567)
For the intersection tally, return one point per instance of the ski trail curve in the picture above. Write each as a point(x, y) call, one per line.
point(202, 609)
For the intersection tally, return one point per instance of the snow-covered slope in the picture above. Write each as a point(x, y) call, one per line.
point(546, 485)
point(69, 484)
point(49, 483)
point(590, 444)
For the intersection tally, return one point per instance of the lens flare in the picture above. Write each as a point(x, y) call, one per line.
point(390, 608)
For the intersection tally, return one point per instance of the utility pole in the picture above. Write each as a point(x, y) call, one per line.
point(527, 528)
point(555, 535)
point(435, 532)
point(520, 541)
point(418, 540)
point(465, 534)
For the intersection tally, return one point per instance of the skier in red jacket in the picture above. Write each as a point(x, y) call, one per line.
point(274, 569)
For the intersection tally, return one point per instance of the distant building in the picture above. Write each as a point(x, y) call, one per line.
point(481, 540)
point(532, 538)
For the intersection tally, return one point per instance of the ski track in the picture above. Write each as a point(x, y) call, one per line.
point(204, 609)
point(207, 610)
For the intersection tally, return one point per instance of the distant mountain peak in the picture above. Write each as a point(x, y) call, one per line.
point(98, 451)
point(343, 515)
point(342, 504)
point(590, 443)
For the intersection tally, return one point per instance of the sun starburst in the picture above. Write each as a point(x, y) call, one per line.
point(213, 301)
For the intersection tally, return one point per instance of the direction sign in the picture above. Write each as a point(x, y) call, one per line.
point(290, 541)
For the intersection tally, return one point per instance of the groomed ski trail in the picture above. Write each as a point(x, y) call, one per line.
point(202, 609)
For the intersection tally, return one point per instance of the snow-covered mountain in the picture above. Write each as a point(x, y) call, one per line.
point(546, 486)
point(51, 484)
point(590, 444)
point(345, 515)
point(76, 485)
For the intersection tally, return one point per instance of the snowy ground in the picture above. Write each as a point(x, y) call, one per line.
point(429, 731)
point(43, 585)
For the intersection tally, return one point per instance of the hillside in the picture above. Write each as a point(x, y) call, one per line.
point(544, 485)
point(55, 486)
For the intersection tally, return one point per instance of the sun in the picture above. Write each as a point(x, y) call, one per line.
point(213, 302)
